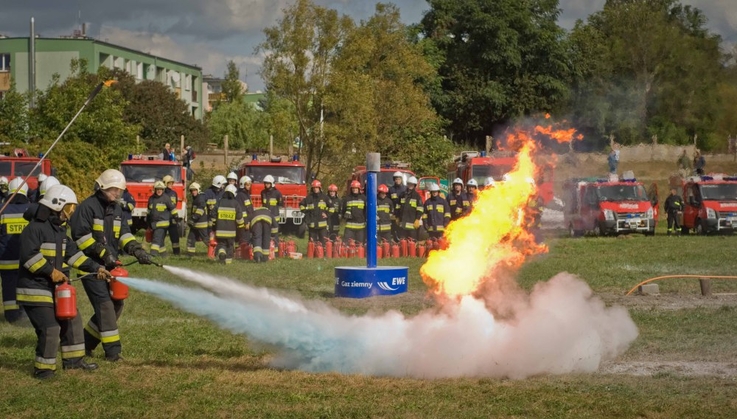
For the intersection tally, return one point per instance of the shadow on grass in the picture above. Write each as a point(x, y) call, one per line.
point(204, 364)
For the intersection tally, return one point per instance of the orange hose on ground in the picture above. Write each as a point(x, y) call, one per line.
point(681, 276)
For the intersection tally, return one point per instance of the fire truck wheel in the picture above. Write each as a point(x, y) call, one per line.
point(573, 232)
point(699, 228)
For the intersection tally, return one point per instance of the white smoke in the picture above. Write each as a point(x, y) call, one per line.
point(561, 327)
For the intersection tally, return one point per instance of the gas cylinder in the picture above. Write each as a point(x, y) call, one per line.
point(149, 235)
point(379, 251)
point(65, 297)
point(442, 243)
point(344, 250)
point(361, 251)
point(352, 249)
point(283, 249)
point(291, 247)
point(310, 249)
point(421, 250)
point(403, 247)
point(118, 290)
point(319, 251)
point(411, 248)
point(329, 249)
point(272, 250)
point(386, 249)
point(212, 246)
point(395, 250)
point(246, 251)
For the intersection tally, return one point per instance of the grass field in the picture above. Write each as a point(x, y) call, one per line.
point(683, 364)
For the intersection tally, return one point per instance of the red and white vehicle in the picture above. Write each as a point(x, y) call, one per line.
point(290, 178)
point(385, 176)
point(710, 204)
point(141, 172)
point(20, 163)
point(607, 207)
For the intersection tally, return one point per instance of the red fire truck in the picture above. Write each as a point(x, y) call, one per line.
point(141, 172)
point(479, 166)
point(710, 204)
point(20, 163)
point(608, 206)
point(385, 176)
point(290, 180)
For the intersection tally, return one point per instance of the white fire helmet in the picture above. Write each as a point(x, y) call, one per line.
point(111, 178)
point(3, 180)
point(42, 177)
point(489, 181)
point(57, 197)
point(232, 189)
point(218, 181)
point(232, 176)
point(269, 179)
point(412, 180)
point(47, 184)
point(244, 180)
point(397, 174)
point(194, 186)
point(458, 181)
point(14, 186)
point(433, 187)
point(472, 182)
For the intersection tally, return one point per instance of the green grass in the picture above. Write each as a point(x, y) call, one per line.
point(179, 365)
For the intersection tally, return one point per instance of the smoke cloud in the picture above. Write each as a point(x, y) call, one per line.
point(561, 327)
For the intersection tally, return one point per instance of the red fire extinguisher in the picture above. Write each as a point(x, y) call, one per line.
point(149, 235)
point(379, 251)
point(421, 250)
point(65, 298)
point(352, 249)
point(272, 250)
point(319, 251)
point(282, 249)
point(212, 246)
point(361, 251)
point(310, 249)
point(412, 248)
point(386, 249)
point(291, 247)
point(329, 249)
point(442, 243)
point(403, 246)
point(118, 290)
point(395, 250)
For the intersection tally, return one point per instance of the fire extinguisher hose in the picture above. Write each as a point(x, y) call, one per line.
point(657, 278)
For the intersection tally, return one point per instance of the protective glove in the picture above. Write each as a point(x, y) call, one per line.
point(109, 261)
point(103, 274)
point(143, 257)
point(58, 276)
point(417, 224)
point(190, 223)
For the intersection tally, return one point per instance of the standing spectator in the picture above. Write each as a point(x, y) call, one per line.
point(684, 165)
point(317, 207)
point(198, 221)
point(673, 205)
point(354, 212)
point(187, 157)
point(409, 211)
point(166, 152)
point(244, 200)
point(272, 199)
point(472, 188)
point(458, 200)
point(395, 192)
point(384, 214)
point(698, 162)
point(613, 161)
point(173, 154)
point(335, 211)
point(161, 209)
point(226, 219)
point(173, 229)
point(437, 213)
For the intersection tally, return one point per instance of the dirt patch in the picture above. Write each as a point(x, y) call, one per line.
point(671, 301)
point(683, 368)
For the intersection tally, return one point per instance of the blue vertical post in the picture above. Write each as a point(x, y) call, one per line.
point(373, 165)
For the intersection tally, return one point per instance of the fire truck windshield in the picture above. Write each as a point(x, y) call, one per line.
point(497, 171)
point(291, 175)
point(6, 168)
point(24, 169)
point(150, 173)
point(622, 193)
point(719, 192)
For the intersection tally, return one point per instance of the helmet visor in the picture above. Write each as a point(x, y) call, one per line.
point(68, 210)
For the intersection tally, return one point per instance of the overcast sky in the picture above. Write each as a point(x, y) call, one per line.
point(209, 33)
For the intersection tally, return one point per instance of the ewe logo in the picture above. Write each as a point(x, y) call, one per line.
point(396, 282)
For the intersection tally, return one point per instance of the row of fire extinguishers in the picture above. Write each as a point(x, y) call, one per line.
point(403, 248)
point(245, 250)
point(66, 295)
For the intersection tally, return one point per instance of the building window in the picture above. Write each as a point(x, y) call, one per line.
point(4, 62)
point(188, 82)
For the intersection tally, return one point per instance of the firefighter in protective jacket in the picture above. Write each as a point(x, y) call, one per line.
point(12, 224)
point(259, 222)
point(272, 199)
point(197, 220)
point(173, 229)
point(395, 193)
point(46, 253)
point(317, 207)
point(460, 204)
point(244, 200)
point(226, 220)
point(213, 195)
point(384, 214)
point(673, 205)
point(437, 213)
point(161, 210)
point(128, 203)
point(354, 212)
point(409, 211)
point(335, 212)
point(98, 229)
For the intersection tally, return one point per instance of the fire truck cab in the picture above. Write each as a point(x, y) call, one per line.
point(290, 178)
point(608, 206)
point(141, 171)
point(710, 204)
point(20, 163)
point(385, 176)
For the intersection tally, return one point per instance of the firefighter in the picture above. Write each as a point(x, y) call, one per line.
point(173, 229)
point(232, 179)
point(227, 218)
point(489, 182)
point(97, 228)
point(3, 189)
point(128, 204)
point(673, 206)
point(354, 212)
point(472, 189)
point(46, 253)
point(161, 210)
point(45, 186)
point(458, 201)
point(272, 199)
point(259, 223)
point(33, 194)
point(409, 211)
point(384, 214)
point(316, 206)
point(335, 211)
point(197, 220)
point(395, 193)
point(244, 200)
point(213, 195)
point(437, 213)
point(12, 225)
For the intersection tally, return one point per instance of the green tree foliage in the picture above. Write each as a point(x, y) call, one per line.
point(246, 126)
point(498, 59)
point(644, 68)
point(13, 116)
point(281, 120)
point(232, 87)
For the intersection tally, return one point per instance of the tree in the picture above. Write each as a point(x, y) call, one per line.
point(232, 87)
point(245, 126)
point(13, 116)
point(501, 59)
